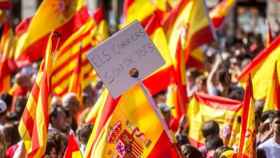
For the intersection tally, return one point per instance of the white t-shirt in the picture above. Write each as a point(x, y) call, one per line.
point(271, 148)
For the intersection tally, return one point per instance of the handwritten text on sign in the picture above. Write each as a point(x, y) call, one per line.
point(127, 49)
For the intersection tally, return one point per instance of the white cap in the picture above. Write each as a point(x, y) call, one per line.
point(3, 106)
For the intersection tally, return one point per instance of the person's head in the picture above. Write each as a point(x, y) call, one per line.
point(236, 93)
point(56, 145)
point(11, 133)
point(189, 151)
point(266, 121)
point(166, 112)
point(8, 99)
point(210, 128)
point(20, 104)
point(200, 83)
point(58, 119)
point(71, 103)
point(3, 111)
point(213, 142)
point(160, 97)
point(84, 133)
point(276, 123)
point(23, 80)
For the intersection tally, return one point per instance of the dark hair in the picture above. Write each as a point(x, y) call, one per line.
point(210, 128)
point(220, 150)
point(7, 98)
point(84, 133)
point(190, 152)
point(11, 133)
point(55, 112)
point(276, 114)
point(56, 140)
point(267, 115)
point(213, 142)
point(20, 104)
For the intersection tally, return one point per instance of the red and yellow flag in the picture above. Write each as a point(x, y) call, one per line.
point(219, 13)
point(7, 64)
point(261, 69)
point(142, 10)
point(62, 16)
point(182, 21)
point(72, 150)
point(92, 32)
point(247, 146)
point(33, 126)
point(203, 108)
point(272, 101)
point(129, 128)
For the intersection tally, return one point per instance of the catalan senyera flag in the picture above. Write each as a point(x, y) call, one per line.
point(5, 4)
point(261, 69)
point(272, 101)
point(182, 21)
point(203, 108)
point(7, 65)
point(62, 16)
point(72, 150)
point(220, 12)
point(33, 126)
point(247, 144)
point(127, 127)
point(91, 33)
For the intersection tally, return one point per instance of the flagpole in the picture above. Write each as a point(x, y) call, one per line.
point(134, 73)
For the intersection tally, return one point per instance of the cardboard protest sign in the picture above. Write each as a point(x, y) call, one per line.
point(116, 56)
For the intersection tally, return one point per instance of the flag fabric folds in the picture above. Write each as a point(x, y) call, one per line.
point(219, 13)
point(63, 17)
point(203, 108)
point(272, 101)
point(7, 65)
point(72, 150)
point(127, 128)
point(261, 69)
point(6, 4)
point(247, 144)
point(33, 126)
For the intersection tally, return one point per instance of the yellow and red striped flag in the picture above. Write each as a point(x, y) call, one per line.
point(127, 127)
point(92, 32)
point(261, 69)
point(72, 150)
point(247, 144)
point(219, 13)
point(203, 108)
point(272, 101)
point(7, 64)
point(63, 17)
point(33, 126)
point(183, 20)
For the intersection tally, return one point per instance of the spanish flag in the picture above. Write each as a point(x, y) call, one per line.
point(272, 101)
point(261, 68)
point(7, 64)
point(160, 79)
point(33, 126)
point(72, 150)
point(142, 10)
point(220, 12)
point(247, 144)
point(62, 16)
point(203, 108)
point(182, 21)
point(129, 132)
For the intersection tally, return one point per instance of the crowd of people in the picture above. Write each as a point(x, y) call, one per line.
point(217, 77)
